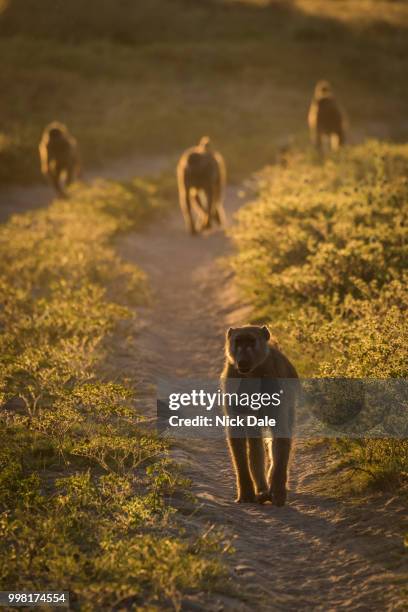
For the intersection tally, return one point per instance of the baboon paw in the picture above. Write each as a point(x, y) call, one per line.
point(278, 497)
point(246, 498)
point(262, 497)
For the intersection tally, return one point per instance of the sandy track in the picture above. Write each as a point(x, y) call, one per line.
point(17, 199)
point(314, 554)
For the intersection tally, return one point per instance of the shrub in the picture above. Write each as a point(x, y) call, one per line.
point(83, 485)
point(328, 243)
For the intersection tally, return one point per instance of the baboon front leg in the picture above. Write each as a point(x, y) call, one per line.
point(245, 487)
point(256, 453)
point(279, 470)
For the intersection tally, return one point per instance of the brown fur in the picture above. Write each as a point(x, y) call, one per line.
point(326, 119)
point(201, 170)
point(263, 359)
point(59, 156)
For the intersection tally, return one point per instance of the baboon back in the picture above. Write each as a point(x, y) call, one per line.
point(61, 151)
point(329, 119)
point(201, 170)
point(58, 154)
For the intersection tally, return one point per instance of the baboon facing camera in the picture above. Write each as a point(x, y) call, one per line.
point(326, 119)
point(59, 156)
point(253, 356)
point(201, 171)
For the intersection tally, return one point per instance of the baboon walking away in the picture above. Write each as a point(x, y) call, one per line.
point(201, 171)
point(326, 119)
point(252, 354)
point(59, 156)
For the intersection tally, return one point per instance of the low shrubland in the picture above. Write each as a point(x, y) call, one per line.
point(84, 484)
point(151, 78)
point(322, 255)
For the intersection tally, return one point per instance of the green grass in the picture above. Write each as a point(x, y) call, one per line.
point(322, 256)
point(153, 77)
point(85, 487)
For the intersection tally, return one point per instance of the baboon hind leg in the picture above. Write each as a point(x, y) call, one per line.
point(219, 214)
point(319, 141)
point(334, 141)
point(256, 453)
point(337, 139)
point(218, 207)
point(185, 205)
point(55, 177)
point(239, 456)
point(278, 473)
point(70, 174)
point(202, 209)
point(210, 206)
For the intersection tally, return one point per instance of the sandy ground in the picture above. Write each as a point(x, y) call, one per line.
point(15, 199)
point(314, 554)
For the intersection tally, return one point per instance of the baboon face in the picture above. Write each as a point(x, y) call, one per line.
point(247, 347)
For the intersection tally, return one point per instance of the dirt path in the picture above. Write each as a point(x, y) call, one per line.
point(18, 199)
point(314, 554)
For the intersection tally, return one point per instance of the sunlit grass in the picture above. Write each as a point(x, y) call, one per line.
point(393, 12)
point(322, 256)
point(83, 484)
point(369, 11)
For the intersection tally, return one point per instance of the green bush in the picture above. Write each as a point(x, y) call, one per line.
point(322, 254)
point(83, 485)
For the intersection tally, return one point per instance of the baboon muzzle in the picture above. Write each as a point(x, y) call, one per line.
point(244, 366)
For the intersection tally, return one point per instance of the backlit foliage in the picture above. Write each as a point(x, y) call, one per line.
point(323, 255)
point(83, 484)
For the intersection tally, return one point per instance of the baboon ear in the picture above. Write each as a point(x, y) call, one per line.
point(265, 332)
point(229, 332)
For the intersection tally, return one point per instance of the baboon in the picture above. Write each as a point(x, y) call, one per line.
point(251, 354)
point(59, 156)
point(326, 118)
point(201, 170)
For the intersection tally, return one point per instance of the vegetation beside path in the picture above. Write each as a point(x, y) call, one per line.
point(322, 255)
point(85, 487)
